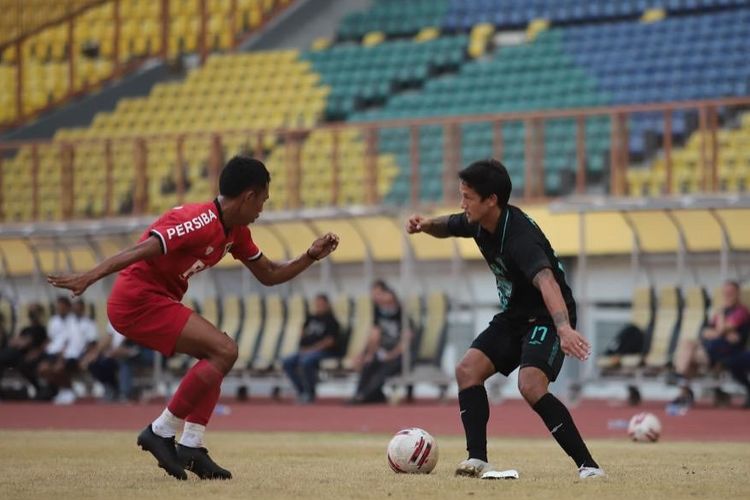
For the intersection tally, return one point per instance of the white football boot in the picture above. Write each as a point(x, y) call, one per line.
point(590, 472)
point(473, 467)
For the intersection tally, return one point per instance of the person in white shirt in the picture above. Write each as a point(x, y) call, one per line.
point(58, 326)
point(73, 334)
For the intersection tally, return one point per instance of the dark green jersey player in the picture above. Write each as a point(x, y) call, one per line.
point(536, 325)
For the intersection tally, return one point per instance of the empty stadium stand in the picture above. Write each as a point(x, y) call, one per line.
point(96, 52)
point(284, 92)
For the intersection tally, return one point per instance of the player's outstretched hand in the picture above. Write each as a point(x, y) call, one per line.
point(414, 224)
point(573, 343)
point(76, 283)
point(323, 246)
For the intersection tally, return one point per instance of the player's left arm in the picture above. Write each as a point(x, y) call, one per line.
point(571, 341)
point(271, 272)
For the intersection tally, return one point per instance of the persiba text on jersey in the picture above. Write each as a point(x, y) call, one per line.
point(191, 225)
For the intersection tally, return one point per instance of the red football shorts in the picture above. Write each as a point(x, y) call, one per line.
point(146, 317)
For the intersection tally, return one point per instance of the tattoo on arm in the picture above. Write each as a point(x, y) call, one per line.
point(542, 276)
point(545, 282)
point(438, 227)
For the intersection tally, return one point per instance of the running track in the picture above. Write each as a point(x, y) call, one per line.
point(509, 419)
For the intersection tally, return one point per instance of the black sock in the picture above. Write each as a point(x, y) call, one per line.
point(475, 412)
point(558, 420)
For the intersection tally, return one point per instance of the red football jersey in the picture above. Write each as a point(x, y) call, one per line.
point(192, 238)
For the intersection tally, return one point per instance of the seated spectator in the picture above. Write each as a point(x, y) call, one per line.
point(25, 350)
point(318, 340)
point(723, 339)
point(112, 362)
point(739, 367)
point(382, 356)
point(77, 334)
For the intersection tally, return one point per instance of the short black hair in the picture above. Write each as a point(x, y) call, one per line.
point(62, 299)
point(242, 173)
point(733, 283)
point(324, 297)
point(382, 285)
point(488, 177)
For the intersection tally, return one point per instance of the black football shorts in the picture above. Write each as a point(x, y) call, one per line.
point(510, 344)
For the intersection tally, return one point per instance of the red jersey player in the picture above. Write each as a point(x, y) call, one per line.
point(145, 303)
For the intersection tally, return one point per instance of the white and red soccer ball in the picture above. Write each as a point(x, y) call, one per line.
point(412, 451)
point(644, 428)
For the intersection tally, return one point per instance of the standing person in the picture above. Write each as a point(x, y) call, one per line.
point(318, 340)
point(382, 356)
point(536, 325)
point(145, 304)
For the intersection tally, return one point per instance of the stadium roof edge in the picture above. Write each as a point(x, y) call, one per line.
point(119, 225)
point(586, 204)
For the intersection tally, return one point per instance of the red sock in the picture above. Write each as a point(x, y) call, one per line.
point(200, 382)
point(202, 411)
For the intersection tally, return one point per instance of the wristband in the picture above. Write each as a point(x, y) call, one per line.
point(307, 252)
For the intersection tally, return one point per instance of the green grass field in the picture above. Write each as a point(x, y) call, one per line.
point(72, 465)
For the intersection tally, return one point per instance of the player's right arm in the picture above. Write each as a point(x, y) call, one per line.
point(79, 282)
point(436, 226)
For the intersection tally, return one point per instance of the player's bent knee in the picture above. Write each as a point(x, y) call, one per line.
point(226, 350)
point(532, 385)
point(466, 375)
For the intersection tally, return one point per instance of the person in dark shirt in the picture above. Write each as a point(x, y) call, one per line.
point(25, 350)
point(382, 355)
point(536, 325)
point(317, 342)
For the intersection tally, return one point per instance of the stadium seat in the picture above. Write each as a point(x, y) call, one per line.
point(11, 320)
point(428, 348)
point(642, 315)
point(694, 316)
point(360, 330)
point(232, 315)
point(296, 313)
point(250, 332)
point(274, 318)
point(210, 310)
point(668, 318)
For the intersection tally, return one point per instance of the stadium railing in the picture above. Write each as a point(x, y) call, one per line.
point(145, 182)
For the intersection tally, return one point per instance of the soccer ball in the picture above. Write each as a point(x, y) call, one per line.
point(412, 451)
point(644, 427)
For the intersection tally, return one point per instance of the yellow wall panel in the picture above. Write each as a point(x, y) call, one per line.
point(19, 259)
point(351, 246)
point(702, 231)
point(383, 236)
point(738, 225)
point(298, 236)
point(561, 229)
point(657, 233)
point(607, 234)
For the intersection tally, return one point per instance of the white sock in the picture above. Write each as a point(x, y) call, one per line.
point(192, 435)
point(166, 424)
